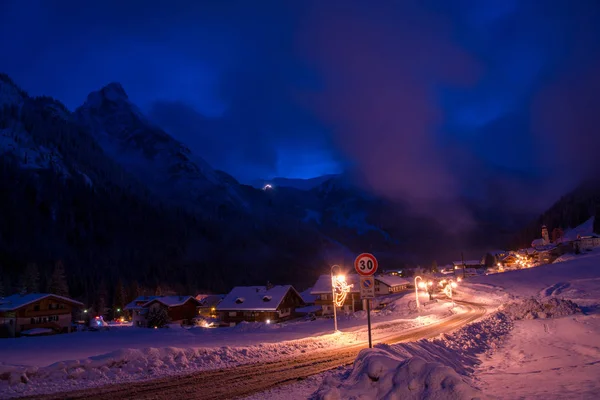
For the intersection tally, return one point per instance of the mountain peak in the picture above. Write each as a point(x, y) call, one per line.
point(114, 91)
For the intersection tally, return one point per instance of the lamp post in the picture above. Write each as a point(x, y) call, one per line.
point(333, 297)
point(417, 290)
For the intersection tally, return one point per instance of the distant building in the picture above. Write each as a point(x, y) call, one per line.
point(323, 289)
point(180, 309)
point(259, 304)
point(386, 284)
point(208, 304)
point(36, 313)
point(588, 242)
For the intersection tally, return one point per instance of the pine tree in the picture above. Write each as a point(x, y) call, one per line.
point(434, 266)
point(119, 298)
point(134, 291)
point(58, 282)
point(157, 317)
point(101, 299)
point(30, 280)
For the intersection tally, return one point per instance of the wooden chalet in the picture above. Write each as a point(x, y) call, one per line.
point(36, 313)
point(259, 304)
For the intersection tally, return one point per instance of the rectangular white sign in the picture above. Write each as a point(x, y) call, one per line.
point(367, 287)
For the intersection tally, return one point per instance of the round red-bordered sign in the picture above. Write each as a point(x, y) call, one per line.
point(365, 264)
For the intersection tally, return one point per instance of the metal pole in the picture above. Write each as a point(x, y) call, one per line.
point(333, 300)
point(369, 321)
point(417, 290)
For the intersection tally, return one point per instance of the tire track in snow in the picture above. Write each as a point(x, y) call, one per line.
point(248, 379)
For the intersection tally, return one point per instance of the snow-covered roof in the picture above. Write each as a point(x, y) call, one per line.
point(210, 300)
point(323, 284)
point(172, 301)
point(255, 298)
point(139, 302)
point(17, 301)
point(391, 280)
point(538, 242)
point(585, 229)
point(308, 297)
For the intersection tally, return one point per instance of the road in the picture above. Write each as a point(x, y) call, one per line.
point(248, 379)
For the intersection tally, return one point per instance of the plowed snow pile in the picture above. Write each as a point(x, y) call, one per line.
point(534, 309)
point(439, 368)
point(378, 374)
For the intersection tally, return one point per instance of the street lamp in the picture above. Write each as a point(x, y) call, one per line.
point(448, 290)
point(417, 289)
point(338, 283)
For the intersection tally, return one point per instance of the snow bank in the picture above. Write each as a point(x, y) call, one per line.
point(136, 364)
point(534, 309)
point(377, 374)
point(428, 369)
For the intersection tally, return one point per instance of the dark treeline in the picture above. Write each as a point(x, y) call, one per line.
point(112, 237)
point(570, 211)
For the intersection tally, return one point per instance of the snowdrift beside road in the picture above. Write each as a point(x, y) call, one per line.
point(438, 368)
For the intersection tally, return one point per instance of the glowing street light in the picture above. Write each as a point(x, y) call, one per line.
point(448, 290)
point(339, 291)
point(417, 286)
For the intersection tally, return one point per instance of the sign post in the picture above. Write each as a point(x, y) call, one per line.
point(366, 266)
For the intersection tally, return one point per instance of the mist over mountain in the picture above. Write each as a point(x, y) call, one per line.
point(115, 197)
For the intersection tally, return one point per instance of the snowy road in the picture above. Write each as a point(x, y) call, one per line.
point(252, 378)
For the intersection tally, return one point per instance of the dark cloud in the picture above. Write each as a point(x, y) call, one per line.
point(432, 101)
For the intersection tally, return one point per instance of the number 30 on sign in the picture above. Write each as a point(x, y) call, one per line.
point(365, 264)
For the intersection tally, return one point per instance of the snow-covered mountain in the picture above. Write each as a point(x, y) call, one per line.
point(165, 165)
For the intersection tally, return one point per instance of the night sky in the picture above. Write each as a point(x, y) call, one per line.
point(424, 100)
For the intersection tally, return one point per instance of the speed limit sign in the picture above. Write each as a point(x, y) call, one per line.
point(365, 264)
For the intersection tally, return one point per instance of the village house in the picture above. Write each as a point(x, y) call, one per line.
point(208, 304)
point(588, 242)
point(36, 313)
point(259, 304)
point(386, 284)
point(180, 309)
point(323, 289)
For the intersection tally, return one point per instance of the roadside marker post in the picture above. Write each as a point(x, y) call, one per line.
point(366, 266)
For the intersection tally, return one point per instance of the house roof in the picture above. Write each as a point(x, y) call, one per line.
point(585, 229)
point(391, 280)
point(139, 302)
point(323, 284)
point(172, 301)
point(17, 301)
point(210, 300)
point(256, 298)
point(308, 297)
point(169, 301)
point(538, 242)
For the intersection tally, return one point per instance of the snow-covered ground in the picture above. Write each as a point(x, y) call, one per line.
point(533, 344)
point(547, 358)
point(539, 344)
point(31, 365)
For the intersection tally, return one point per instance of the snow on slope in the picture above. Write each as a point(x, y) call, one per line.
point(169, 167)
point(505, 356)
point(546, 358)
point(36, 365)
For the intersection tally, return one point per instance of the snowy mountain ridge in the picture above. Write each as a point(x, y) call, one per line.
point(166, 165)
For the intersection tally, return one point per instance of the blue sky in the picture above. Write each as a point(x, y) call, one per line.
point(425, 98)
